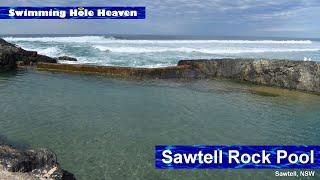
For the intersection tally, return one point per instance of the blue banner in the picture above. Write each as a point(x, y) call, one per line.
point(238, 157)
point(72, 12)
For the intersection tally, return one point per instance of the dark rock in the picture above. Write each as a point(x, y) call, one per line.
point(67, 175)
point(39, 163)
point(5, 43)
point(10, 54)
point(43, 58)
point(7, 62)
point(67, 58)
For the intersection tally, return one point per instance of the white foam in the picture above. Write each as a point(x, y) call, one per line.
point(79, 39)
point(68, 62)
point(51, 51)
point(135, 50)
point(158, 65)
point(102, 39)
point(210, 41)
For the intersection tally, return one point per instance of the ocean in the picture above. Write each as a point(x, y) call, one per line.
point(159, 51)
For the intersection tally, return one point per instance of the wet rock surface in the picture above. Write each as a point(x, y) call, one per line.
point(10, 54)
point(158, 73)
point(66, 58)
point(30, 164)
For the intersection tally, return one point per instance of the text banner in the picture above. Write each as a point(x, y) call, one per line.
point(72, 12)
point(238, 157)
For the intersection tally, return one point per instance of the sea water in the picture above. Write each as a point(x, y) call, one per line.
point(103, 128)
point(157, 51)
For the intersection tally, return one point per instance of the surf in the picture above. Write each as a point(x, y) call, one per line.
point(111, 39)
point(158, 52)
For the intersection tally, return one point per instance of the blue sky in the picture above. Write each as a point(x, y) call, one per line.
point(284, 18)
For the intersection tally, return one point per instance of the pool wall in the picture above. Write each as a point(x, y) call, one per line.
point(297, 75)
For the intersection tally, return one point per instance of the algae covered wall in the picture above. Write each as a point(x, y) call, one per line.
point(299, 75)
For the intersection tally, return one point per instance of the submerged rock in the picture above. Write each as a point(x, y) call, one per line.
point(31, 163)
point(10, 54)
point(66, 58)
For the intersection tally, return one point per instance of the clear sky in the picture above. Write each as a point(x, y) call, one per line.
point(284, 18)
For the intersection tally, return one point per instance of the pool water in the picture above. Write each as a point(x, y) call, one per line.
point(104, 128)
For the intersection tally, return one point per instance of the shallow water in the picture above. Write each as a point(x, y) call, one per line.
point(105, 128)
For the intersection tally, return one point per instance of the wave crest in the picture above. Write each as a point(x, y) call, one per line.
point(136, 50)
point(111, 39)
point(78, 39)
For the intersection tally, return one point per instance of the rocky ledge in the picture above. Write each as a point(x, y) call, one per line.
point(30, 164)
point(66, 58)
point(10, 54)
point(298, 75)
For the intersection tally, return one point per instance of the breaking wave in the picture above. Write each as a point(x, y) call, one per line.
point(136, 50)
point(51, 51)
point(111, 39)
point(79, 39)
point(104, 50)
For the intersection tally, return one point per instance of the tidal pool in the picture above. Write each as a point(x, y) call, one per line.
point(104, 128)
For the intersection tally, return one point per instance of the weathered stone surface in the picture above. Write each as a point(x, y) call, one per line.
point(31, 163)
point(7, 60)
point(66, 58)
point(10, 54)
point(299, 75)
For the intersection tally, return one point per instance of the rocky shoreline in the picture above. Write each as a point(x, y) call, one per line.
point(296, 75)
point(10, 55)
point(30, 164)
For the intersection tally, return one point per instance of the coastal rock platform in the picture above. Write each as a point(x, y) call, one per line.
point(10, 54)
point(297, 75)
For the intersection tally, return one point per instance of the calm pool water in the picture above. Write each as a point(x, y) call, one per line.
point(105, 128)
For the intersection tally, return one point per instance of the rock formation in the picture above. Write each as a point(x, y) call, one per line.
point(299, 75)
point(10, 54)
point(30, 164)
point(66, 58)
